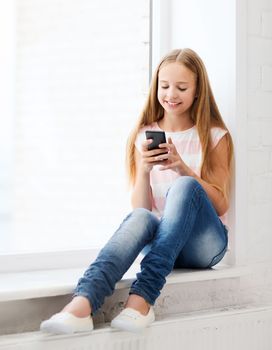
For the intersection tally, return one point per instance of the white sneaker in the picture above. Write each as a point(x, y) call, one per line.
point(132, 320)
point(65, 323)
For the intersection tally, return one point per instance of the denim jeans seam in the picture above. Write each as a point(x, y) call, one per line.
point(224, 249)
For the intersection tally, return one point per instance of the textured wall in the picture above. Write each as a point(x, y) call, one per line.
point(259, 130)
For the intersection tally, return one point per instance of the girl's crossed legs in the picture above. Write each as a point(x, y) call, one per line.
point(190, 235)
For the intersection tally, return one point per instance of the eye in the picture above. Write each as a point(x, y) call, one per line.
point(164, 87)
point(182, 89)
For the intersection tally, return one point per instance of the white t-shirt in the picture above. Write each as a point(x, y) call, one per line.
point(188, 146)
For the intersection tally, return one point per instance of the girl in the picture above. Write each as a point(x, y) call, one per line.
point(180, 199)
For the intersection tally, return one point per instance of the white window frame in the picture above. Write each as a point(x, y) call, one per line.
point(160, 39)
point(240, 121)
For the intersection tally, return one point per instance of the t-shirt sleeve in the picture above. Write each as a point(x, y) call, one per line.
point(217, 134)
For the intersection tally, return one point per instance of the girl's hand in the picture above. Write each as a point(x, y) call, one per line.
point(151, 158)
point(173, 160)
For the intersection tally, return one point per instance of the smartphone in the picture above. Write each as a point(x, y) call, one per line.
point(157, 137)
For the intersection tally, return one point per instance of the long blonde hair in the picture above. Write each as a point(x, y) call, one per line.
point(204, 114)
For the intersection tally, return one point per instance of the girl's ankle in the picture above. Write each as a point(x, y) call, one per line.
point(79, 307)
point(138, 303)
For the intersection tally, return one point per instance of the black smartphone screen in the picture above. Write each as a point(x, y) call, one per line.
point(158, 137)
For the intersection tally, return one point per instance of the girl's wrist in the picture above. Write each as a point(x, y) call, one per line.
point(143, 171)
point(191, 173)
point(185, 172)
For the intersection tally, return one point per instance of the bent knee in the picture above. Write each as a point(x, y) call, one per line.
point(186, 182)
point(141, 212)
point(144, 215)
point(185, 185)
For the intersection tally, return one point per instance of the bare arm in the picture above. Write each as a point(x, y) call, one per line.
point(142, 194)
point(219, 158)
point(221, 172)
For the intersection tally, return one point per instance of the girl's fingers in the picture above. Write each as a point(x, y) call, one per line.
point(145, 145)
point(169, 166)
point(170, 146)
point(153, 153)
point(164, 145)
point(153, 161)
point(162, 157)
point(149, 153)
point(158, 159)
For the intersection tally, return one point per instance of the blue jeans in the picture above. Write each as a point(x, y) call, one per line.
point(189, 235)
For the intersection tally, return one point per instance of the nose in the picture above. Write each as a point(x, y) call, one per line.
point(172, 93)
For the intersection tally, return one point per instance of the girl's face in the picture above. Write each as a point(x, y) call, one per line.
point(176, 88)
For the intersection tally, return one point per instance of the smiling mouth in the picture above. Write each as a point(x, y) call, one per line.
point(173, 104)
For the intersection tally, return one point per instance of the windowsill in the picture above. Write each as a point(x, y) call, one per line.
point(47, 283)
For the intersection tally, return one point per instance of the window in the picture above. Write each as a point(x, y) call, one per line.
point(81, 76)
point(58, 92)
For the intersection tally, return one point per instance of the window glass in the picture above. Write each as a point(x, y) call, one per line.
point(81, 77)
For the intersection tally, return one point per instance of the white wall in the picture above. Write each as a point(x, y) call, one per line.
point(259, 126)
point(7, 70)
